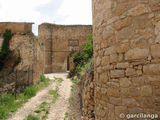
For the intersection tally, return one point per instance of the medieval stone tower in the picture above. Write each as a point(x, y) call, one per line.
point(127, 57)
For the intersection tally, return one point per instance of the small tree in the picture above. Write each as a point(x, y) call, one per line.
point(5, 51)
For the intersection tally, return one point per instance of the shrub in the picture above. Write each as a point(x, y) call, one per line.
point(30, 91)
point(44, 80)
point(80, 58)
point(5, 51)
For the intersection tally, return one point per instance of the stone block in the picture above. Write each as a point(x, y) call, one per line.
point(130, 102)
point(155, 51)
point(110, 50)
point(122, 48)
point(108, 32)
point(115, 100)
point(120, 9)
point(114, 92)
point(137, 53)
point(113, 58)
point(122, 65)
point(125, 82)
point(122, 23)
point(138, 10)
point(130, 72)
point(138, 81)
point(157, 92)
point(139, 72)
point(98, 61)
point(105, 60)
point(117, 73)
point(120, 57)
point(151, 69)
point(146, 91)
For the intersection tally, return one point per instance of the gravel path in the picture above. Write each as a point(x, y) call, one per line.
point(58, 109)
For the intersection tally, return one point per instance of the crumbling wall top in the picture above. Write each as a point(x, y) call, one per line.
point(16, 27)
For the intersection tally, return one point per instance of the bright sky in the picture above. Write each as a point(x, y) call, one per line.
point(51, 11)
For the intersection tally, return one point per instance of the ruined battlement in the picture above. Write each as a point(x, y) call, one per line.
point(59, 42)
point(16, 27)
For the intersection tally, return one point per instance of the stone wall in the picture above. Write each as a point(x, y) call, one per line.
point(31, 51)
point(59, 42)
point(16, 27)
point(87, 94)
point(126, 57)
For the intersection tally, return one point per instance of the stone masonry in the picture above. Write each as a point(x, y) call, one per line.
point(126, 57)
point(25, 41)
point(60, 41)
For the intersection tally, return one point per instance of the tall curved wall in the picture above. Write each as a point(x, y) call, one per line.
point(127, 57)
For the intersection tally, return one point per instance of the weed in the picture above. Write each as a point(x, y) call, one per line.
point(70, 99)
point(44, 117)
point(45, 80)
point(72, 88)
point(66, 114)
point(30, 91)
point(37, 111)
point(59, 80)
point(43, 105)
point(74, 80)
point(32, 117)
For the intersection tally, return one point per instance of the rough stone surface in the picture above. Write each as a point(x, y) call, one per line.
point(132, 81)
point(60, 42)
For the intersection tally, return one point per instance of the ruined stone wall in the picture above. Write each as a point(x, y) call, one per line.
point(29, 47)
point(31, 53)
point(59, 41)
point(126, 57)
point(16, 27)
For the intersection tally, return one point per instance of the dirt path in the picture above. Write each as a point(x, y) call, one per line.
point(58, 109)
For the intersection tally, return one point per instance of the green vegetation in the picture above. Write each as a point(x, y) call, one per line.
point(43, 110)
point(55, 94)
point(17, 62)
point(31, 91)
point(9, 104)
point(45, 80)
point(70, 99)
point(82, 57)
point(5, 51)
point(72, 88)
point(32, 117)
point(74, 80)
point(59, 80)
point(42, 105)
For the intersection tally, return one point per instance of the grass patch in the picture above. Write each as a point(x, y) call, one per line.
point(43, 110)
point(37, 111)
point(59, 80)
point(32, 117)
point(55, 94)
point(66, 115)
point(9, 104)
point(43, 105)
point(70, 99)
